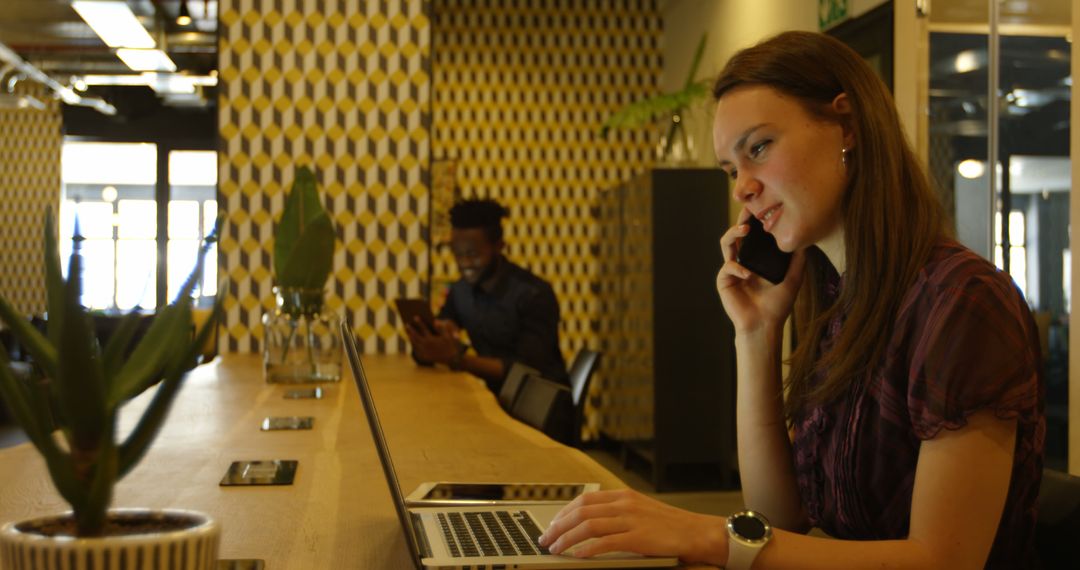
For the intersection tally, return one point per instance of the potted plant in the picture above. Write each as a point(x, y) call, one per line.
point(70, 413)
point(300, 341)
point(675, 145)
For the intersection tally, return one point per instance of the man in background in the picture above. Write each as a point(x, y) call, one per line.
point(511, 315)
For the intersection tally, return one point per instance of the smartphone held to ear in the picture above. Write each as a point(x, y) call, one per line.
point(759, 253)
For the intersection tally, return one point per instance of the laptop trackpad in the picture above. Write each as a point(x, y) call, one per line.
point(607, 555)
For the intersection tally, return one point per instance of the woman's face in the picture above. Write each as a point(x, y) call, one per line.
point(786, 164)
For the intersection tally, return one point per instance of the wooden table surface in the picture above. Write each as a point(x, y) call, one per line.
point(338, 513)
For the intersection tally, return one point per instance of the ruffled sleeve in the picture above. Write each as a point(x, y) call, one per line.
point(977, 349)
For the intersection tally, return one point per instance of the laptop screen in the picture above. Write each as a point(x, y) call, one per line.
point(380, 441)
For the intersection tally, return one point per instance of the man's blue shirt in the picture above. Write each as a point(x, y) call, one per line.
point(513, 318)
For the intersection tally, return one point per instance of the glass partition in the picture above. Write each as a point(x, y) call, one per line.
point(999, 114)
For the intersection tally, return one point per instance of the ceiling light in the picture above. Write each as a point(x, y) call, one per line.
point(184, 18)
point(966, 61)
point(127, 79)
point(152, 79)
point(971, 168)
point(146, 59)
point(175, 83)
point(1057, 55)
point(169, 83)
point(114, 23)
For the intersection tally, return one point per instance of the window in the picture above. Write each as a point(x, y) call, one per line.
point(1017, 248)
point(110, 201)
point(192, 213)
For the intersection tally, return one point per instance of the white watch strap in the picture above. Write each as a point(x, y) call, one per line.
point(741, 555)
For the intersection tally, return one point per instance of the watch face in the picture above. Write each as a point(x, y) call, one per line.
point(748, 527)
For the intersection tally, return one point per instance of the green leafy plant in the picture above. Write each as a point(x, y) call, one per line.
point(304, 238)
point(669, 105)
point(70, 415)
point(303, 258)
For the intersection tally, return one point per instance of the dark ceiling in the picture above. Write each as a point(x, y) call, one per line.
point(1033, 92)
point(51, 36)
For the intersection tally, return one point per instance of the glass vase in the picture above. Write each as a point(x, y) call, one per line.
point(301, 341)
point(676, 146)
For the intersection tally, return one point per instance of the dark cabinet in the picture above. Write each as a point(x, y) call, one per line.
point(669, 383)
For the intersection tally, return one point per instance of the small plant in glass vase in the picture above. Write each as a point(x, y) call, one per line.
point(69, 410)
point(675, 145)
point(300, 339)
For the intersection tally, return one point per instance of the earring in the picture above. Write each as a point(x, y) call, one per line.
point(843, 155)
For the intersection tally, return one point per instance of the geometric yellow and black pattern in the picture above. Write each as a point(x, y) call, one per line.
point(30, 144)
point(626, 292)
point(342, 86)
point(520, 89)
point(368, 92)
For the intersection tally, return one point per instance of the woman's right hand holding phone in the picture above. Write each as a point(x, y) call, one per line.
point(751, 302)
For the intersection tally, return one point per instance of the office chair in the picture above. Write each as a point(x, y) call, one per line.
point(515, 379)
point(1058, 527)
point(581, 371)
point(546, 406)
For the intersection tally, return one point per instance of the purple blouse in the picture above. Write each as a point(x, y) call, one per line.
point(963, 341)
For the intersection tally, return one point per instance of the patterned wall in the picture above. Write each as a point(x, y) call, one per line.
point(520, 87)
point(626, 300)
point(516, 90)
point(30, 142)
point(342, 86)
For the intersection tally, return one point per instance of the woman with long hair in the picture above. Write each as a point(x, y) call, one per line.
point(910, 427)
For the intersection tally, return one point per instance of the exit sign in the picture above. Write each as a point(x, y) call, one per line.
point(831, 12)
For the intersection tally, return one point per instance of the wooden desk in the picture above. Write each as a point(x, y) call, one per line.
point(338, 513)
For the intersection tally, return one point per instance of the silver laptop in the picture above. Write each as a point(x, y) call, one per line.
point(503, 536)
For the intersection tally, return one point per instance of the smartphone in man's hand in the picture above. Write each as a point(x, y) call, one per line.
point(759, 253)
point(412, 310)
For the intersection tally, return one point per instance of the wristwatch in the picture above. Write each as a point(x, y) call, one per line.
point(748, 533)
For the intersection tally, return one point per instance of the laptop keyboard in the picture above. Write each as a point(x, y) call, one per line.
point(491, 533)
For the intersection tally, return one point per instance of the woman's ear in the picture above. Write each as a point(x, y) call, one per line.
point(841, 105)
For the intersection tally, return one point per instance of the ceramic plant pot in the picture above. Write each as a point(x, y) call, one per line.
point(135, 538)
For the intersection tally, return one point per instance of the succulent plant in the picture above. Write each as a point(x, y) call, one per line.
point(70, 413)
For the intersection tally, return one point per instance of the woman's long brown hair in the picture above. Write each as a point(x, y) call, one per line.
point(891, 216)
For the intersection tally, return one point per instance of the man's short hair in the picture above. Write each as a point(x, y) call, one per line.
point(486, 214)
